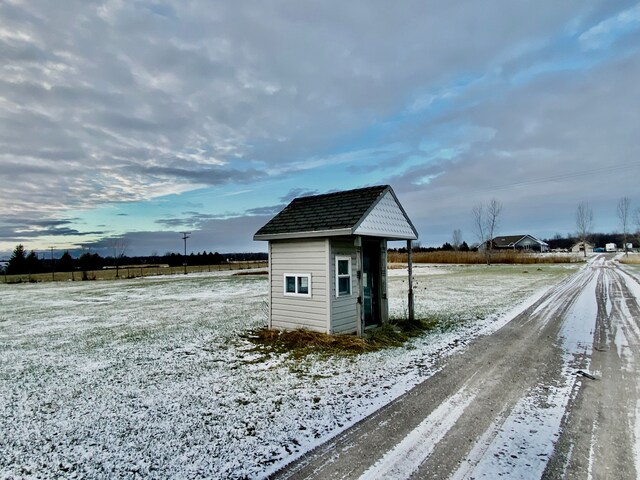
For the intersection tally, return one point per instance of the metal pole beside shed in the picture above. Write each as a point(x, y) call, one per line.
point(410, 271)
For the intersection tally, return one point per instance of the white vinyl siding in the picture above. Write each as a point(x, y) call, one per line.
point(386, 219)
point(299, 257)
point(344, 310)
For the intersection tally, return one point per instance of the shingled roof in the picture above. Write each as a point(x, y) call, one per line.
point(331, 214)
point(509, 241)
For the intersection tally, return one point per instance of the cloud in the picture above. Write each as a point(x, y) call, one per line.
point(297, 192)
point(611, 29)
point(559, 140)
point(17, 230)
point(227, 235)
point(200, 176)
point(269, 211)
point(139, 100)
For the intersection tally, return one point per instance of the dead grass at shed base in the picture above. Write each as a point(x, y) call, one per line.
point(303, 342)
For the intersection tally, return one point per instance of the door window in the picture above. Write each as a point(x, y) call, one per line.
point(343, 276)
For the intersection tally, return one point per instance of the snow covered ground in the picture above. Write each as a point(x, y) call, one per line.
point(152, 376)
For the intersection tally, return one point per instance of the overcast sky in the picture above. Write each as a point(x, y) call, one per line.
point(144, 119)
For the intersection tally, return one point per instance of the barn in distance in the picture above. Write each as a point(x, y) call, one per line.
point(328, 259)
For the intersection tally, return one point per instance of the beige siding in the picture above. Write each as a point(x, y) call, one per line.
point(343, 309)
point(299, 257)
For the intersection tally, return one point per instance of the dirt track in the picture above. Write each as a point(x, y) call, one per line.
point(512, 404)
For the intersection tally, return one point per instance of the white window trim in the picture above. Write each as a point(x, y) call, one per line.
point(296, 276)
point(337, 283)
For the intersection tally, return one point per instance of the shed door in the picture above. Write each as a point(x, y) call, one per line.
point(371, 283)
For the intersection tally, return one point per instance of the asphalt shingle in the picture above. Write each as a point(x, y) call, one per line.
point(331, 211)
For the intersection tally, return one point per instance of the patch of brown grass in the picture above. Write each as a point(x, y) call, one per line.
point(241, 274)
point(501, 257)
point(630, 260)
point(303, 342)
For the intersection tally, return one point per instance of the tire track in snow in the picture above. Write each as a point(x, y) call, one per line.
point(406, 457)
point(534, 422)
point(600, 432)
point(501, 370)
point(491, 393)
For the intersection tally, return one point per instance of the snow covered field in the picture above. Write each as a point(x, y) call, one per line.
point(152, 376)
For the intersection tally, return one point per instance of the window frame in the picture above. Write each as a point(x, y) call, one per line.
point(297, 277)
point(338, 276)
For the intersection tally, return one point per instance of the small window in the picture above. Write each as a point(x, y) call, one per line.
point(303, 285)
point(343, 276)
point(297, 284)
point(290, 284)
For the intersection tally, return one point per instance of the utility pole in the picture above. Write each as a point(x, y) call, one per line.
point(53, 268)
point(185, 235)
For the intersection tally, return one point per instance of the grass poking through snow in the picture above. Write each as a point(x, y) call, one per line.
point(299, 343)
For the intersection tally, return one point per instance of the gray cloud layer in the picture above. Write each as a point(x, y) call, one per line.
point(119, 101)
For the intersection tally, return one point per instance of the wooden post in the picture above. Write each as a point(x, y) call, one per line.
point(410, 271)
point(360, 288)
point(384, 302)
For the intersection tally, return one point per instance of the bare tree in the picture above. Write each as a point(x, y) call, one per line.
point(624, 205)
point(118, 247)
point(584, 223)
point(486, 221)
point(456, 239)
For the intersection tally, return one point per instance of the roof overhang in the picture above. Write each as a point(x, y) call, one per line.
point(327, 233)
point(314, 234)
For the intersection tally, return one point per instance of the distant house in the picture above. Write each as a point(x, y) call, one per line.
point(520, 242)
point(581, 246)
point(328, 259)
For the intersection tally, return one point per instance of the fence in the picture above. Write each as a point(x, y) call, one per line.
point(129, 271)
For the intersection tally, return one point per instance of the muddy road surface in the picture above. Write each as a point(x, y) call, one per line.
point(553, 394)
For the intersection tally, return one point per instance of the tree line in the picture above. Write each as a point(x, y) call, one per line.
point(22, 263)
point(557, 242)
point(486, 223)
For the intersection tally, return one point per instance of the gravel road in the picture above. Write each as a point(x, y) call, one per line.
point(553, 394)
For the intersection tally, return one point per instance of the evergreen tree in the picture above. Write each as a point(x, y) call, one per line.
point(89, 261)
point(18, 261)
point(447, 247)
point(65, 264)
point(33, 263)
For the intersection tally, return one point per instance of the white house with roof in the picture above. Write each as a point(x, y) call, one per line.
point(520, 242)
point(328, 259)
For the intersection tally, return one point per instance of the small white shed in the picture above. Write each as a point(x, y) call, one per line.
point(582, 246)
point(328, 259)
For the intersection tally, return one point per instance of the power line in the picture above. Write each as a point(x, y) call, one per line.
point(564, 176)
point(557, 177)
